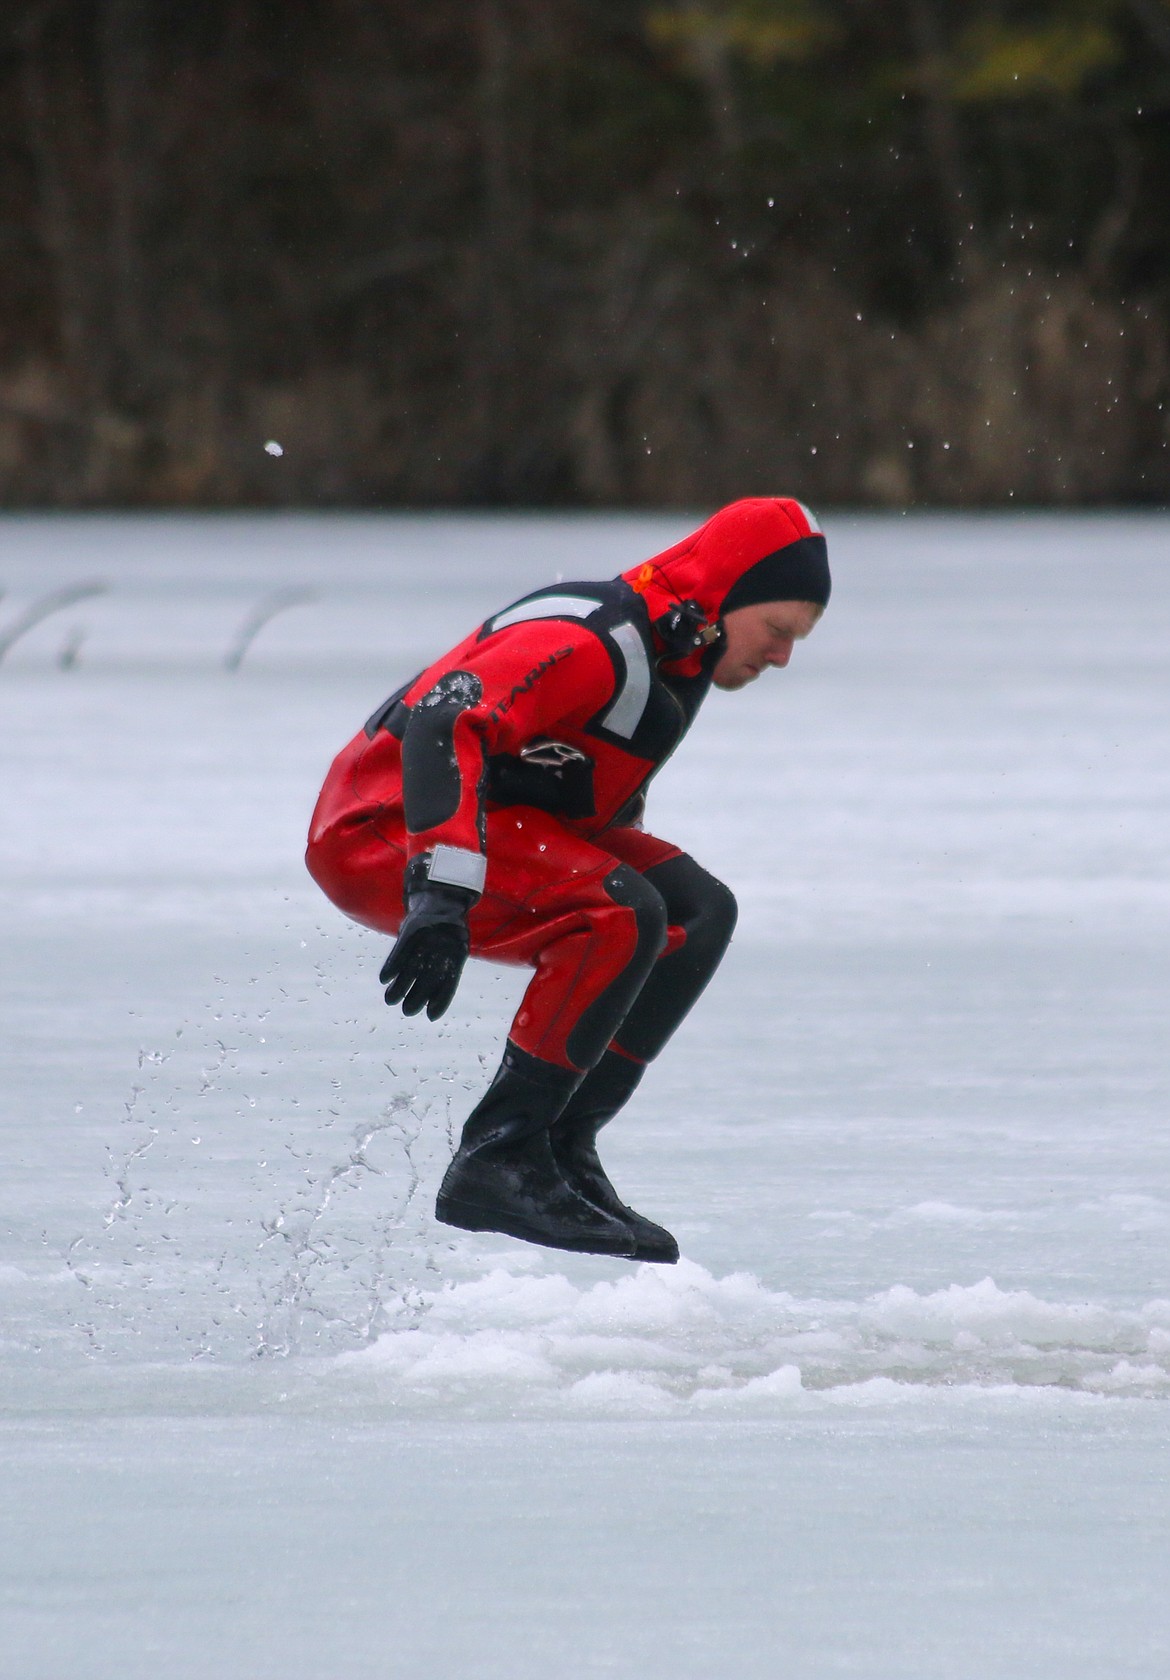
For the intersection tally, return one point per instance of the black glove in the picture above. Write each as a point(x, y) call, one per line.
point(424, 967)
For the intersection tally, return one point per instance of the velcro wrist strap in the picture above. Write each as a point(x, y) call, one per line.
point(452, 866)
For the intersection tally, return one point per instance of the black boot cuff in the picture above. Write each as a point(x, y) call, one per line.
point(547, 1075)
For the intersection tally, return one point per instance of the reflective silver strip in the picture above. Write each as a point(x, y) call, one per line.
point(452, 866)
point(625, 714)
point(551, 754)
point(813, 526)
point(552, 606)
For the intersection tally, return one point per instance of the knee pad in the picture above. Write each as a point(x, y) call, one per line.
point(698, 903)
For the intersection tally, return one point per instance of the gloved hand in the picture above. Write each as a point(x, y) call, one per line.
point(424, 967)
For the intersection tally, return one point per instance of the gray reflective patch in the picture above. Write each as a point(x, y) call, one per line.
point(551, 755)
point(452, 866)
point(552, 606)
point(625, 714)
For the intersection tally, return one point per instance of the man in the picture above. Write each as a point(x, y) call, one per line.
point(493, 806)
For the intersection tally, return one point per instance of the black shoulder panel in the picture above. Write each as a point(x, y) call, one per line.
point(571, 601)
point(647, 714)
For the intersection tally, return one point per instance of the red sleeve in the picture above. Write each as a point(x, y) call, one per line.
point(493, 697)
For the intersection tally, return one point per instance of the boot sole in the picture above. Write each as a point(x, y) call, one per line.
point(467, 1216)
point(655, 1256)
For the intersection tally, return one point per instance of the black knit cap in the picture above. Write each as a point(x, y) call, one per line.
point(797, 572)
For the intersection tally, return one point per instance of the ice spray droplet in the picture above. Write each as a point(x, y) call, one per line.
point(273, 448)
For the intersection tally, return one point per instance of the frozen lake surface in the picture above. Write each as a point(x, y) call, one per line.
point(901, 1413)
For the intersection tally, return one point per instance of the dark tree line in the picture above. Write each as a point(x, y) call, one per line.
point(599, 251)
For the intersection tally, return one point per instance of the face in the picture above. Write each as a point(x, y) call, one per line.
point(762, 635)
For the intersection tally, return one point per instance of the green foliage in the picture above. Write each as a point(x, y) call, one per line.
point(996, 60)
point(526, 249)
point(763, 32)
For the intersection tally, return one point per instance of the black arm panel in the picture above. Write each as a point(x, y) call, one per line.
point(432, 786)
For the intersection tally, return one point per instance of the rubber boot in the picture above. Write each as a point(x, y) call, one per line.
point(504, 1177)
point(574, 1145)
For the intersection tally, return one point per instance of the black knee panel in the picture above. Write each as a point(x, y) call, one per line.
point(635, 892)
point(702, 906)
point(599, 1021)
point(705, 910)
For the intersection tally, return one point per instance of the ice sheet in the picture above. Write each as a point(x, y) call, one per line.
point(902, 1409)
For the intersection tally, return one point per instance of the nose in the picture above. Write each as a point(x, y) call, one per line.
point(781, 655)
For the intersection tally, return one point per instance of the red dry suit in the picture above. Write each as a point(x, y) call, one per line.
point(519, 762)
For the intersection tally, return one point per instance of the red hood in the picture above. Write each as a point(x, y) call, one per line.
point(704, 566)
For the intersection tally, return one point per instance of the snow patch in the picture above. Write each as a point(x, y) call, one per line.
point(679, 1340)
point(947, 1213)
